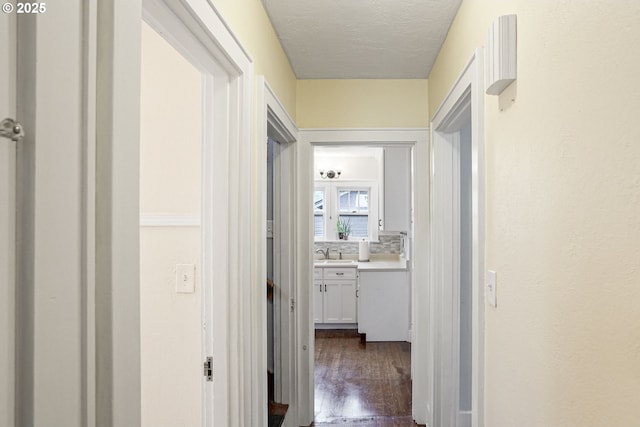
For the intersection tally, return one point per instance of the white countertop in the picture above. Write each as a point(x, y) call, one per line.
point(398, 264)
point(376, 263)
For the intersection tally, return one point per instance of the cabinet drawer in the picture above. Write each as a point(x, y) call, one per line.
point(317, 273)
point(339, 273)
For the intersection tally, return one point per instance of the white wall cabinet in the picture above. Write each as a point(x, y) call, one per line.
point(396, 206)
point(334, 295)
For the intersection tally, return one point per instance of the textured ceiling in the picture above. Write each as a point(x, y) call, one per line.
point(327, 39)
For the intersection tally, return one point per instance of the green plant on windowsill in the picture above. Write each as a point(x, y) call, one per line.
point(343, 227)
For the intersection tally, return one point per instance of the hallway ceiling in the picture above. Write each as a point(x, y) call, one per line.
point(342, 39)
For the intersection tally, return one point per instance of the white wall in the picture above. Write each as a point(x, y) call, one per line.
point(169, 186)
point(356, 164)
point(562, 203)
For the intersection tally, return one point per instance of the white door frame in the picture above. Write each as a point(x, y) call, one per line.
point(464, 98)
point(273, 120)
point(418, 139)
point(197, 31)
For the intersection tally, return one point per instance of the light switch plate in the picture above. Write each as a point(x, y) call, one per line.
point(492, 283)
point(185, 278)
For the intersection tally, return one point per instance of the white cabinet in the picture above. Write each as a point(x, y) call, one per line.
point(396, 209)
point(334, 295)
point(384, 305)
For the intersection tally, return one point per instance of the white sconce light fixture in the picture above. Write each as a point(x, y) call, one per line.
point(330, 174)
point(501, 54)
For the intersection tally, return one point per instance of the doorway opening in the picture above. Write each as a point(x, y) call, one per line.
point(215, 208)
point(171, 258)
point(416, 140)
point(276, 359)
point(361, 318)
point(280, 325)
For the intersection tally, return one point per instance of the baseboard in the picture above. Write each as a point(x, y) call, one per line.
point(339, 326)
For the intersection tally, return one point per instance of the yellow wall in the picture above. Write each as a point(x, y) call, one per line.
point(323, 103)
point(362, 103)
point(250, 23)
point(562, 209)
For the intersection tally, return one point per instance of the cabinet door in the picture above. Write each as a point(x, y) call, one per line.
point(318, 296)
point(349, 303)
point(397, 189)
point(340, 301)
point(384, 305)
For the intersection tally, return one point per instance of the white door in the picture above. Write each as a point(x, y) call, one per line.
point(7, 219)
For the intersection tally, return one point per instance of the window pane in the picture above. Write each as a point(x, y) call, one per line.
point(353, 201)
point(318, 200)
point(363, 201)
point(319, 207)
point(343, 196)
point(318, 225)
point(359, 225)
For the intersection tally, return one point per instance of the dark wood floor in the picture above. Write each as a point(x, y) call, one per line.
point(362, 385)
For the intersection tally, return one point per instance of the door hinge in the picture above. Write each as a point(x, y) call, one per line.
point(208, 369)
point(293, 304)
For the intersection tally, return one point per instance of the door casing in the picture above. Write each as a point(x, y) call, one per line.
point(275, 122)
point(463, 102)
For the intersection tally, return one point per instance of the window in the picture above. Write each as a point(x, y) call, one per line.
point(352, 202)
point(319, 203)
point(354, 208)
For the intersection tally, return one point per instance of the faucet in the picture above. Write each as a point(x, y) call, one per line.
point(324, 252)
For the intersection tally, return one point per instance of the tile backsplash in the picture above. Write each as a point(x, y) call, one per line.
point(388, 244)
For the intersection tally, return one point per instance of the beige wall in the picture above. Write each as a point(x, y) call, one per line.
point(169, 185)
point(563, 196)
point(362, 103)
point(250, 23)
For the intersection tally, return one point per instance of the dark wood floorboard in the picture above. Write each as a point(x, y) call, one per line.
point(362, 385)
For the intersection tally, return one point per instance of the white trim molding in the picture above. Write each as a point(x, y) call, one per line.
point(463, 103)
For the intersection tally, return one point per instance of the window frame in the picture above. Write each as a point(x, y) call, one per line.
point(332, 208)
